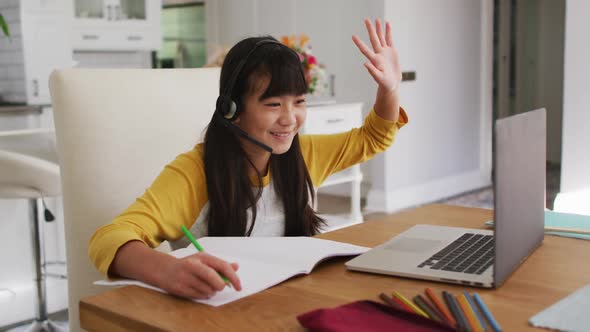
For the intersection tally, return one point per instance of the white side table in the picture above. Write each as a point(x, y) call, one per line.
point(336, 118)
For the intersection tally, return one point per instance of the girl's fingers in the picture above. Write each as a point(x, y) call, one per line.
point(388, 37)
point(208, 275)
point(363, 47)
point(197, 279)
point(373, 36)
point(200, 290)
point(376, 73)
point(225, 269)
point(186, 284)
point(379, 29)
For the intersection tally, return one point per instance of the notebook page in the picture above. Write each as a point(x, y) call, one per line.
point(301, 253)
point(570, 314)
point(264, 262)
point(254, 276)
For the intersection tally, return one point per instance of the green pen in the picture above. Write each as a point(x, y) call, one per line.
point(200, 249)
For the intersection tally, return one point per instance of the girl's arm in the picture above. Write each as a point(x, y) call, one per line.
point(195, 276)
point(326, 154)
point(123, 248)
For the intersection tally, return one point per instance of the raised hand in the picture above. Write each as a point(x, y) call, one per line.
point(383, 62)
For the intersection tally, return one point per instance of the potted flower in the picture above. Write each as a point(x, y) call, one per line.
point(315, 73)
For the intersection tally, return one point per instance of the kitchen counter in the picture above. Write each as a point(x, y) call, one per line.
point(39, 142)
point(15, 108)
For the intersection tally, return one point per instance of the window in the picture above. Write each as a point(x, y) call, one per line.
point(183, 33)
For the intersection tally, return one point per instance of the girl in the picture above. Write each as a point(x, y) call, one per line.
point(253, 175)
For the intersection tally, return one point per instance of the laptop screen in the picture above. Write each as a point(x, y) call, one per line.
point(519, 189)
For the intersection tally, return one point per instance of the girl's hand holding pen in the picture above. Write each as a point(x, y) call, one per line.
point(198, 276)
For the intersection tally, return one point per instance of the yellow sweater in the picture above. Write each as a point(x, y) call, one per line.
point(178, 196)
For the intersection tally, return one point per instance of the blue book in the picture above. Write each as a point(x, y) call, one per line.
point(563, 220)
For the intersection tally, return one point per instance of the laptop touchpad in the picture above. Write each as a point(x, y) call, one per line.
point(409, 244)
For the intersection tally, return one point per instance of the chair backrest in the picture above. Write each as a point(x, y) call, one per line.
point(116, 130)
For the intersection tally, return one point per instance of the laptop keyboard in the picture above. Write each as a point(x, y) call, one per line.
point(470, 253)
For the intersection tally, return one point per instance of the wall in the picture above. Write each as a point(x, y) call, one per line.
point(575, 161)
point(446, 149)
point(229, 21)
point(12, 70)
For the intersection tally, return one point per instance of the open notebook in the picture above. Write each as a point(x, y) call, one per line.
point(264, 261)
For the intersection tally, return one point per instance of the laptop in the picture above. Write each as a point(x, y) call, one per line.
point(481, 258)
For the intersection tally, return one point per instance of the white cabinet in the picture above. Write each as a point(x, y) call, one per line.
point(45, 4)
point(336, 118)
point(117, 25)
point(40, 43)
point(47, 47)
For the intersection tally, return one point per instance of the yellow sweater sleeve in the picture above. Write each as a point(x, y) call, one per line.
point(175, 198)
point(328, 154)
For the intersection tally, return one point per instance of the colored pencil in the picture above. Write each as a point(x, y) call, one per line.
point(402, 304)
point(480, 318)
point(436, 311)
point(441, 307)
point(433, 308)
point(493, 323)
point(390, 302)
point(409, 304)
point(422, 305)
point(456, 311)
point(468, 312)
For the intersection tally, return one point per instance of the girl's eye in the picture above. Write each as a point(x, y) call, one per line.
point(273, 104)
point(300, 101)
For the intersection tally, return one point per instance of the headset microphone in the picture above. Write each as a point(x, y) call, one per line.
point(237, 130)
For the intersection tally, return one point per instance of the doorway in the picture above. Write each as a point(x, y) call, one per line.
point(528, 69)
point(528, 62)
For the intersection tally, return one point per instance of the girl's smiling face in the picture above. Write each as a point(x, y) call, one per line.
point(272, 120)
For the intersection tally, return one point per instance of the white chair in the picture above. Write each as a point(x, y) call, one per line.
point(28, 170)
point(116, 130)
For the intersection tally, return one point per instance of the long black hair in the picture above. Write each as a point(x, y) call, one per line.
point(228, 185)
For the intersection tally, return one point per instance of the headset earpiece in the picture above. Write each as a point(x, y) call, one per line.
point(233, 109)
point(227, 107)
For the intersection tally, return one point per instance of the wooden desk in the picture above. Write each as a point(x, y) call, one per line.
point(556, 269)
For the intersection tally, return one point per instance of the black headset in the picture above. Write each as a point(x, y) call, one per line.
point(227, 109)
